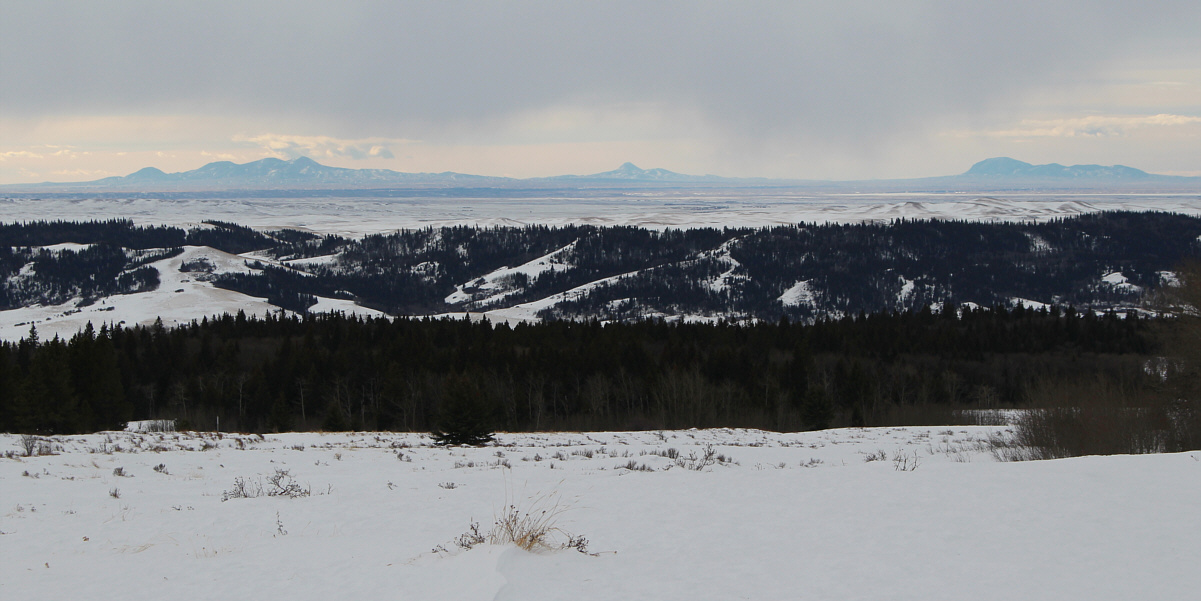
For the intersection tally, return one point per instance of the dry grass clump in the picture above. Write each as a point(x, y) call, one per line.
point(532, 527)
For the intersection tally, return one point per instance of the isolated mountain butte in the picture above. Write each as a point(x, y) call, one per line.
point(147, 174)
point(1005, 167)
point(631, 172)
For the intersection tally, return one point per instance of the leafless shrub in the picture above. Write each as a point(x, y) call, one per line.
point(120, 472)
point(471, 538)
point(243, 489)
point(877, 456)
point(1101, 416)
point(1058, 432)
point(904, 462)
point(30, 444)
point(162, 469)
point(707, 458)
point(281, 485)
point(448, 485)
point(114, 492)
point(284, 486)
point(577, 542)
point(634, 466)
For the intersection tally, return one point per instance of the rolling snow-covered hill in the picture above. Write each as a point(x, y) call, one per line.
point(181, 297)
point(60, 276)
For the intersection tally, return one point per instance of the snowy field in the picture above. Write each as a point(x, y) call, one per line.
point(652, 209)
point(889, 513)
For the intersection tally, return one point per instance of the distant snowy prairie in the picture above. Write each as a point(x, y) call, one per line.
point(661, 209)
point(885, 513)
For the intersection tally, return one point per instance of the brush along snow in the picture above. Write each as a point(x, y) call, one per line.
point(532, 526)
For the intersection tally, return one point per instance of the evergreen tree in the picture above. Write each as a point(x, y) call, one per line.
point(463, 418)
point(816, 410)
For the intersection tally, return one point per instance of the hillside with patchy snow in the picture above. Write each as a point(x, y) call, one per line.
point(61, 275)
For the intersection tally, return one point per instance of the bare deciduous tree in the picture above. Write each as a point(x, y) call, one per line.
point(30, 444)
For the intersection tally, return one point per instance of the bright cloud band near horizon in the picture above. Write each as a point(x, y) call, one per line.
point(775, 89)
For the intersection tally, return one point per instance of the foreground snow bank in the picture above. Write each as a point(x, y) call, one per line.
point(838, 514)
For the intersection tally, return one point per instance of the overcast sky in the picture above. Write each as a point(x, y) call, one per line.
point(815, 90)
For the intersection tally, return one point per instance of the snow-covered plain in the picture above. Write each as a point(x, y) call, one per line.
point(652, 209)
point(839, 514)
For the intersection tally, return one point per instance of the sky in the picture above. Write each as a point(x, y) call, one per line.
point(794, 89)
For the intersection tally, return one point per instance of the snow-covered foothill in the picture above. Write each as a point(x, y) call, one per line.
point(1117, 281)
point(799, 294)
point(906, 291)
point(495, 286)
point(1026, 303)
point(182, 296)
point(313, 261)
point(64, 246)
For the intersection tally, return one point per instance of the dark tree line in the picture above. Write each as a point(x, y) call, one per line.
point(336, 372)
point(122, 233)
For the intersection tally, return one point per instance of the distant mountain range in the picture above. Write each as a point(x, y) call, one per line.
point(303, 173)
point(277, 173)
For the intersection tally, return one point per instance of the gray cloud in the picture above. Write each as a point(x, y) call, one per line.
point(841, 74)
